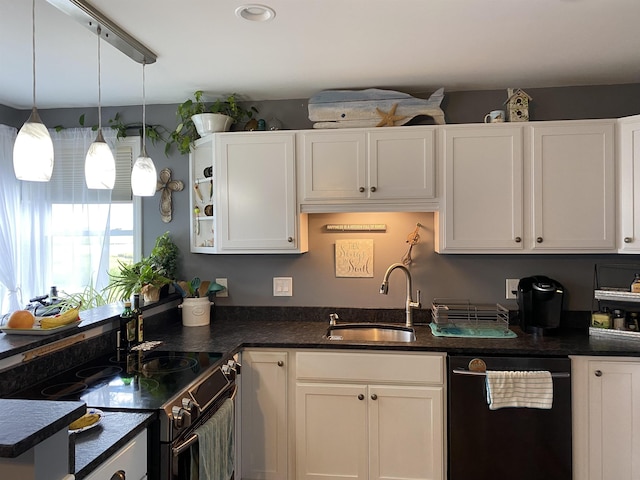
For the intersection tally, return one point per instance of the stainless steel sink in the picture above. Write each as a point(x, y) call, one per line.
point(371, 332)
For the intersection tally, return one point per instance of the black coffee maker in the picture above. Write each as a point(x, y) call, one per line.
point(540, 304)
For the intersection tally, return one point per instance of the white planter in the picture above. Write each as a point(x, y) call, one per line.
point(208, 123)
point(196, 312)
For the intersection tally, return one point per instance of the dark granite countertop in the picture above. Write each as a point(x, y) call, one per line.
point(26, 423)
point(231, 333)
point(96, 445)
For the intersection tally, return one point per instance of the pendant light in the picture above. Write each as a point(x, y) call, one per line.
point(143, 173)
point(99, 165)
point(33, 148)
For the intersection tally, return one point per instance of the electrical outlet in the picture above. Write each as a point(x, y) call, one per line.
point(511, 288)
point(282, 287)
point(224, 283)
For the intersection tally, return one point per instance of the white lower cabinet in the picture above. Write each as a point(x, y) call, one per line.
point(606, 419)
point(369, 416)
point(264, 410)
point(130, 459)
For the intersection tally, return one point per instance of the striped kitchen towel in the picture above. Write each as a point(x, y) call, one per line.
point(519, 389)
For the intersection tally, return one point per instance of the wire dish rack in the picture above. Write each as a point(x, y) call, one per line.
point(461, 318)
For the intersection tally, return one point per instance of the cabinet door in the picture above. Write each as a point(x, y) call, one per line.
point(256, 192)
point(201, 197)
point(614, 423)
point(264, 415)
point(406, 432)
point(573, 187)
point(333, 165)
point(483, 190)
point(401, 163)
point(131, 459)
point(629, 185)
point(331, 431)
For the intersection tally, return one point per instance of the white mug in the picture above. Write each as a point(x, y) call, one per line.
point(494, 116)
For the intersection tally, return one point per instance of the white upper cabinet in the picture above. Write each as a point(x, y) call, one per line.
point(540, 187)
point(628, 183)
point(254, 195)
point(573, 186)
point(482, 209)
point(386, 169)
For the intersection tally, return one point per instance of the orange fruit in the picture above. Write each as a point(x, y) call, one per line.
point(21, 319)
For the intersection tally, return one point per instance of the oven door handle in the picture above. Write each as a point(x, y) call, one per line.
point(460, 371)
point(193, 438)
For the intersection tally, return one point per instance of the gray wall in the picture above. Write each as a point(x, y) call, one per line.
point(481, 278)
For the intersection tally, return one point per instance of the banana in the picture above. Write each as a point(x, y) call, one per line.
point(60, 320)
point(84, 421)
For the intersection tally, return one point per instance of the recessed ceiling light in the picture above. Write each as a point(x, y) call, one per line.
point(255, 13)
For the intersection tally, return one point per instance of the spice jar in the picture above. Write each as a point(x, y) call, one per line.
point(618, 319)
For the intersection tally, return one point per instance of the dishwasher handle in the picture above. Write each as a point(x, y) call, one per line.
point(461, 371)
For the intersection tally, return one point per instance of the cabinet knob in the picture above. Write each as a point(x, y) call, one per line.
point(361, 189)
point(374, 396)
point(627, 239)
point(539, 239)
point(598, 373)
point(280, 363)
point(360, 397)
point(373, 189)
point(119, 475)
point(518, 239)
point(290, 239)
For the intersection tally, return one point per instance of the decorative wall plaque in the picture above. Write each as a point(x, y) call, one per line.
point(354, 258)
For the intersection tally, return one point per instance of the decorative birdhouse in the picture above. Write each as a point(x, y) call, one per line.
point(517, 105)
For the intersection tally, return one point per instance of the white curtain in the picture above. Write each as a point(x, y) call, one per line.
point(54, 233)
point(9, 215)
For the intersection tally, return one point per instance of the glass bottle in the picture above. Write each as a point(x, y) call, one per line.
point(139, 320)
point(635, 285)
point(126, 318)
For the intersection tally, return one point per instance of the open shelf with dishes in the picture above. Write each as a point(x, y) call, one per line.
point(616, 308)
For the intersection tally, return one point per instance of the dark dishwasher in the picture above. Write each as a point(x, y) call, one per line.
point(522, 443)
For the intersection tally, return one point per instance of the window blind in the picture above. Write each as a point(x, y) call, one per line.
point(68, 184)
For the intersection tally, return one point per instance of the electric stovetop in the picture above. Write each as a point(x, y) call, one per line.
point(137, 381)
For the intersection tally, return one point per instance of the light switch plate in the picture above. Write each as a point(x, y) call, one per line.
point(282, 286)
point(225, 292)
point(511, 288)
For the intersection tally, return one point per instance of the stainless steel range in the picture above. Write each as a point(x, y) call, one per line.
point(184, 388)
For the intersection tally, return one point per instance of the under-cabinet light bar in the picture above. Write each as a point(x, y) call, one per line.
point(90, 17)
point(376, 227)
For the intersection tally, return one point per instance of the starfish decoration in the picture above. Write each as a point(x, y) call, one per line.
point(167, 186)
point(389, 119)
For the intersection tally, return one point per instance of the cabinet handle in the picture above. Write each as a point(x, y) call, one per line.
point(360, 397)
point(373, 189)
point(598, 373)
point(518, 239)
point(280, 363)
point(361, 189)
point(290, 239)
point(627, 239)
point(539, 239)
point(374, 396)
point(119, 475)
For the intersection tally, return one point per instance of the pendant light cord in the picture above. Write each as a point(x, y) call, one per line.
point(99, 84)
point(144, 112)
point(33, 49)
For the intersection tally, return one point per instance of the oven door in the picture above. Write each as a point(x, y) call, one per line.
point(186, 448)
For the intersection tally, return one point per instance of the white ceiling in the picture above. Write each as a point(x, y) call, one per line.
point(312, 45)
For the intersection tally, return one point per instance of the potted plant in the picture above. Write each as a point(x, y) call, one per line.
point(148, 275)
point(219, 116)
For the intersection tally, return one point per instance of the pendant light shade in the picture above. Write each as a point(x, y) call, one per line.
point(143, 173)
point(33, 148)
point(99, 165)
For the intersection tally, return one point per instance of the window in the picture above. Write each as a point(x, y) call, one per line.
point(91, 230)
